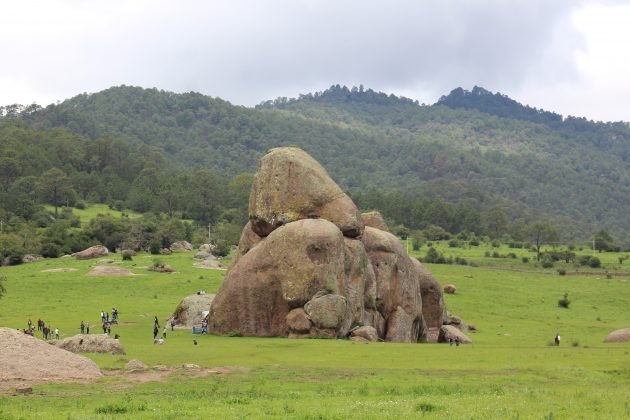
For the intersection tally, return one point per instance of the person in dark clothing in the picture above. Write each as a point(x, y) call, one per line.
point(156, 322)
point(87, 328)
point(82, 327)
point(155, 332)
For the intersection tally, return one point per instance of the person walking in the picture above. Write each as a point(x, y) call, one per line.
point(164, 332)
point(156, 323)
point(82, 327)
point(155, 332)
point(556, 340)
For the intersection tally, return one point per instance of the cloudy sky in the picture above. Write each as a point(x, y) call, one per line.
point(568, 56)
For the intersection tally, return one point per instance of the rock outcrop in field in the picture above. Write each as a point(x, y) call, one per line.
point(310, 265)
point(618, 336)
point(190, 311)
point(91, 343)
point(95, 251)
point(26, 359)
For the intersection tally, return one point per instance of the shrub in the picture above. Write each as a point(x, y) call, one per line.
point(474, 242)
point(512, 255)
point(495, 254)
point(127, 255)
point(562, 271)
point(564, 302)
point(525, 260)
point(547, 262)
point(222, 249)
point(595, 262)
point(496, 244)
point(453, 243)
point(486, 254)
point(80, 205)
point(155, 246)
point(431, 256)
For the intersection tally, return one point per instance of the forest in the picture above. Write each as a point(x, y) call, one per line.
point(475, 163)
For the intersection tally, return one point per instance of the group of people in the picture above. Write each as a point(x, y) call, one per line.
point(105, 316)
point(156, 331)
point(41, 326)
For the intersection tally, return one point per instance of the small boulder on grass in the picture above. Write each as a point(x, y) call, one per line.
point(449, 332)
point(135, 364)
point(618, 336)
point(450, 288)
point(160, 267)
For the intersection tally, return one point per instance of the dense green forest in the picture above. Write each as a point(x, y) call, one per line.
point(474, 162)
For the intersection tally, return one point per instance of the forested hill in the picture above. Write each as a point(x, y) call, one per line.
point(578, 176)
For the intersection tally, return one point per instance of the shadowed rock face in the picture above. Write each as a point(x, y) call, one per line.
point(291, 183)
point(307, 266)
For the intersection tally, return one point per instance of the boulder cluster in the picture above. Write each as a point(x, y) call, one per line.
point(310, 265)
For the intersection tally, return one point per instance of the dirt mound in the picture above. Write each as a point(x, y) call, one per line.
point(59, 270)
point(26, 359)
point(619, 336)
point(91, 343)
point(108, 270)
point(190, 311)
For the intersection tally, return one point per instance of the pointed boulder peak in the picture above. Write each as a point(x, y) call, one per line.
point(290, 185)
point(374, 219)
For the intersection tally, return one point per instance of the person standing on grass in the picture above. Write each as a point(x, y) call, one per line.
point(57, 333)
point(82, 327)
point(557, 339)
point(87, 328)
point(164, 332)
point(156, 322)
point(155, 332)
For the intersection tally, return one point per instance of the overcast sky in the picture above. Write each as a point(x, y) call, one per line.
point(571, 57)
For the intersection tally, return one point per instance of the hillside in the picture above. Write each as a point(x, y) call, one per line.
point(574, 172)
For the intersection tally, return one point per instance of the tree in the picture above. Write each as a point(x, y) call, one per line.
point(603, 241)
point(495, 221)
point(55, 188)
point(541, 233)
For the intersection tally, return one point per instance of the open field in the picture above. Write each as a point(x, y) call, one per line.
point(93, 210)
point(510, 371)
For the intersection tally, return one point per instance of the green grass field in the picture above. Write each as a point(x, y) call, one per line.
point(89, 213)
point(511, 370)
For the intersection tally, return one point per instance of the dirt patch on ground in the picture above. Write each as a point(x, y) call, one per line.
point(59, 270)
point(108, 270)
point(26, 360)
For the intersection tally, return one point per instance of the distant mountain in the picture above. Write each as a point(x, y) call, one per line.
point(474, 147)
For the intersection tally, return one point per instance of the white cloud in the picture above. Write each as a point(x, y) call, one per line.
point(247, 51)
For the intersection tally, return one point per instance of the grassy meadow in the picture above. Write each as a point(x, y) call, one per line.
point(511, 370)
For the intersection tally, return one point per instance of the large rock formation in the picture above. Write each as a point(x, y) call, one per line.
point(307, 266)
point(190, 311)
point(26, 359)
point(290, 185)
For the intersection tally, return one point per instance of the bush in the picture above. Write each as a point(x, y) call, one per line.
point(474, 242)
point(562, 271)
point(453, 243)
point(222, 249)
point(155, 246)
point(512, 255)
point(595, 262)
point(496, 244)
point(547, 262)
point(525, 260)
point(431, 256)
point(80, 205)
point(495, 254)
point(564, 302)
point(127, 255)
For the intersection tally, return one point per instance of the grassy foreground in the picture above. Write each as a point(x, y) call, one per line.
point(510, 371)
